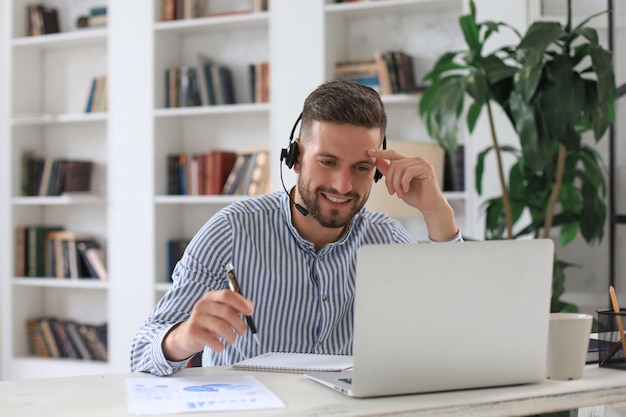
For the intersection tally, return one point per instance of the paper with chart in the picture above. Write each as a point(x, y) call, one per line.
point(170, 395)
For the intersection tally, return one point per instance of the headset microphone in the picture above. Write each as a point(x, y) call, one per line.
point(290, 156)
point(298, 207)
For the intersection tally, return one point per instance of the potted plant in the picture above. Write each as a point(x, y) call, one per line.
point(554, 86)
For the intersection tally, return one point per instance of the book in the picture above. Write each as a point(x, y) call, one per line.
point(66, 348)
point(77, 176)
point(93, 258)
point(95, 339)
point(219, 164)
point(72, 330)
point(45, 324)
point(175, 250)
point(36, 339)
point(236, 173)
point(37, 251)
point(257, 184)
point(291, 362)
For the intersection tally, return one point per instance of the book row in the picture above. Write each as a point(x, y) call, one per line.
point(44, 176)
point(97, 97)
point(389, 72)
point(212, 84)
point(42, 19)
point(218, 172)
point(190, 9)
point(50, 337)
point(50, 251)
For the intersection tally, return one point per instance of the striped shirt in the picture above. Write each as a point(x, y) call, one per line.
point(303, 299)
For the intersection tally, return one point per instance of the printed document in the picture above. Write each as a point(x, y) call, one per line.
point(171, 395)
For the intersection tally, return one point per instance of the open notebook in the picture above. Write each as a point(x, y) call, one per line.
point(447, 316)
point(296, 363)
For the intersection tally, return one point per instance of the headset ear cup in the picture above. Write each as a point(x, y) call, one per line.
point(291, 155)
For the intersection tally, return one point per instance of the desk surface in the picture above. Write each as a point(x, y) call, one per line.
point(105, 395)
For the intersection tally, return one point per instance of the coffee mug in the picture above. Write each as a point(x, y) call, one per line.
point(568, 342)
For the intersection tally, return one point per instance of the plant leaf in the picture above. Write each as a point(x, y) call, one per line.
point(472, 115)
point(470, 32)
point(479, 169)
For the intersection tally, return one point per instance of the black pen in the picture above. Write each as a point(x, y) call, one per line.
point(234, 286)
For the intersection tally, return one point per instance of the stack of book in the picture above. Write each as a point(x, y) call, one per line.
point(50, 251)
point(44, 176)
point(215, 83)
point(97, 96)
point(183, 9)
point(182, 87)
point(42, 19)
point(259, 76)
point(218, 172)
point(50, 337)
point(390, 72)
point(98, 16)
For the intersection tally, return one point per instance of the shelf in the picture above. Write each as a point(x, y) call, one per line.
point(246, 108)
point(62, 200)
point(62, 40)
point(374, 8)
point(198, 199)
point(87, 284)
point(53, 119)
point(28, 367)
point(216, 23)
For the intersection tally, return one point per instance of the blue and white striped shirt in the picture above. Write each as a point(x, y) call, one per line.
point(303, 299)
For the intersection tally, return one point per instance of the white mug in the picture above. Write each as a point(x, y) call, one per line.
point(568, 342)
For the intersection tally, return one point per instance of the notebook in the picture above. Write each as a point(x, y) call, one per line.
point(448, 316)
point(297, 363)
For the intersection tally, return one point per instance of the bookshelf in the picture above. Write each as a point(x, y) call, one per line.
point(48, 76)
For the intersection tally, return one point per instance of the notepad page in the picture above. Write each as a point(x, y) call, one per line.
point(296, 362)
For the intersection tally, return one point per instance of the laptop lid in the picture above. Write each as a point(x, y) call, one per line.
point(448, 316)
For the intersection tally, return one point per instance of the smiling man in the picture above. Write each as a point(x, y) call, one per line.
point(294, 253)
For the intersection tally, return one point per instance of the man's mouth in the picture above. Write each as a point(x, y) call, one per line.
point(336, 200)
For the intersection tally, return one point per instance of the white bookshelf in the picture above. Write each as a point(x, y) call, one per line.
point(48, 76)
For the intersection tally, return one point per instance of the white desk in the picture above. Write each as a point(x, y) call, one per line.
point(105, 395)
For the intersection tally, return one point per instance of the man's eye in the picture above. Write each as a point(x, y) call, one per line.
point(364, 168)
point(327, 162)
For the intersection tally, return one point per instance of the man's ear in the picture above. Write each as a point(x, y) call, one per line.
point(296, 164)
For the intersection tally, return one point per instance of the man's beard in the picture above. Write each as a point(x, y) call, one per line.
point(333, 221)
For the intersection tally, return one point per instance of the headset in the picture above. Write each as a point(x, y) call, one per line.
point(290, 156)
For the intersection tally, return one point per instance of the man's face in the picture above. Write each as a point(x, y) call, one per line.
point(335, 172)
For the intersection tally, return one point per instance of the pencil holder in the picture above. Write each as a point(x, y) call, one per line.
point(610, 342)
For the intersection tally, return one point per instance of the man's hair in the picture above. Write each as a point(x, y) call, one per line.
point(343, 101)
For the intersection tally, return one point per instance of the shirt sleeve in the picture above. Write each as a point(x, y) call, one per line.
point(193, 276)
point(456, 238)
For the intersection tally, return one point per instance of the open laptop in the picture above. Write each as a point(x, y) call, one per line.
point(448, 316)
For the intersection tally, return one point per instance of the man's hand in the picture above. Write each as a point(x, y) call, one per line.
point(216, 317)
point(413, 180)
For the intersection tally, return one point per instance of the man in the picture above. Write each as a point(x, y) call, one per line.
point(294, 253)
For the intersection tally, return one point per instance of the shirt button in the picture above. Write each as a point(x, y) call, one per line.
point(319, 258)
point(319, 344)
point(324, 297)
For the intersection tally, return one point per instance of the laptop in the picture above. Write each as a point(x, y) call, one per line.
point(448, 316)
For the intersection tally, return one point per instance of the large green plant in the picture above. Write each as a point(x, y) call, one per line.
point(555, 85)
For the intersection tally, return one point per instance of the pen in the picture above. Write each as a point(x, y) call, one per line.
point(234, 286)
